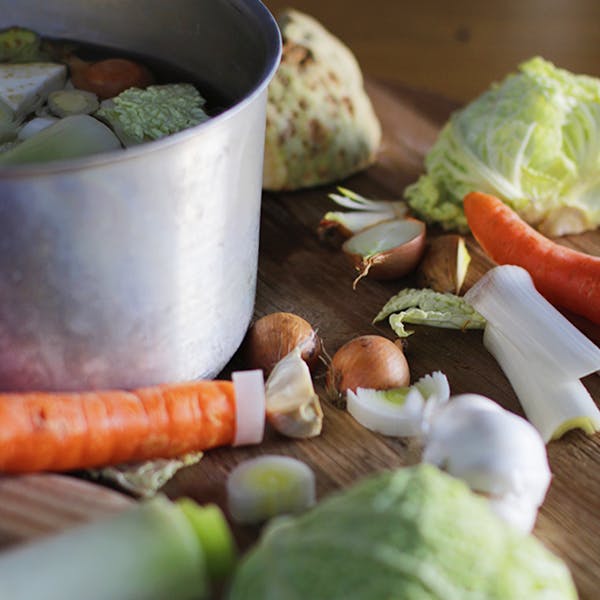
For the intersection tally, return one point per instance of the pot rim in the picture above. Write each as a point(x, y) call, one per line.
point(273, 44)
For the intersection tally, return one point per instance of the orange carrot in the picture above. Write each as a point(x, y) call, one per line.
point(61, 431)
point(563, 276)
point(108, 78)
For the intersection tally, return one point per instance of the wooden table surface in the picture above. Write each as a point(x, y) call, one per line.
point(455, 50)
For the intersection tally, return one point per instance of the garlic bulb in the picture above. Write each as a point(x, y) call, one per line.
point(494, 451)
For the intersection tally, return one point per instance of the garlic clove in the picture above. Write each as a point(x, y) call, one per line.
point(293, 408)
point(387, 250)
point(445, 264)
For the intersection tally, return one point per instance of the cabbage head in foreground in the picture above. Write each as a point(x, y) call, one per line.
point(416, 533)
point(532, 140)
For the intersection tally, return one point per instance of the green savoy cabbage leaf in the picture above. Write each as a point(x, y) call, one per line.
point(427, 307)
point(138, 115)
point(532, 140)
point(413, 534)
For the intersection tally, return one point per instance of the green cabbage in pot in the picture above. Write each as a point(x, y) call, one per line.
point(532, 140)
point(416, 533)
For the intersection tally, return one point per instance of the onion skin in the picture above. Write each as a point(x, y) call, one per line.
point(368, 361)
point(274, 336)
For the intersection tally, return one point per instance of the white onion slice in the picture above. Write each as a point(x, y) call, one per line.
point(250, 407)
point(267, 486)
point(35, 126)
point(552, 405)
point(354, 222)
point(383, 237)
point(507, 298)
point(349, 199)
point(399, 412)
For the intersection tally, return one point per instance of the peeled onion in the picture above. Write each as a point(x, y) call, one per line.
point(274, 336)
point(387, 250)
point(368, 361)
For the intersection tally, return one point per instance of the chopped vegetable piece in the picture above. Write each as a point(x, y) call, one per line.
point(445, 264)
point(495, 452)
point(387, 250)
point(267, 486)
point(153, 551)
point(564, 276)
point(532, 141)
point(507, 298)
point(34, 126)
point(71, 137)
point(349, 199)
point(62, 431)
point(293, 407)
point(9, 125)
point(414, 534)
point(24, 88)
point(426, 307)
point(367, 213)
point(554, 404)
point(399, 411)
point(108, 78)
point(64, 103)
point(19, 45)
point(145, 479)
point(159, 110)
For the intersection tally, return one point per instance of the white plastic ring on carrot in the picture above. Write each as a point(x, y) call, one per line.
point(250, 407)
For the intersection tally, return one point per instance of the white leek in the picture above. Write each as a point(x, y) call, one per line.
point(494, 451)
point(267, 486)
point(399, 412)
point(72, 137)
point(154, 551)
point(507, 298)
point(554, 405)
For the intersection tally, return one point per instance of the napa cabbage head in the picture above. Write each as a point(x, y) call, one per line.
point(533, 140)
point(415, 534)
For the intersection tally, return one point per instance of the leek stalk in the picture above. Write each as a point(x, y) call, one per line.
point(153, 551)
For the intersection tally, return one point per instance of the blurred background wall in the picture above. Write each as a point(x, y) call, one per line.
point(458, 47)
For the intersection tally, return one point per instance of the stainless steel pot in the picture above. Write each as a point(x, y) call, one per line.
point(139, 267)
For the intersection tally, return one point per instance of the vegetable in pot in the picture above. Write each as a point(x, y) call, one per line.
point(64, 103)
point(141, 115)
point(20, 45)
point(153, 551)
point(532, 141)
point(71, 137)
point(415, 533)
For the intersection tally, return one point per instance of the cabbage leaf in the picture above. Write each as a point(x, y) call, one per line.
point(415, 534)
point(532, 140)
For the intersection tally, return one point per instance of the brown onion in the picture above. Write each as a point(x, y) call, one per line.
point(274, 336)
point(368, 361)
point(388, 250)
